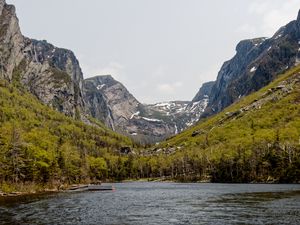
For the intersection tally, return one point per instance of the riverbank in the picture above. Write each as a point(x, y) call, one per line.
point(15, 190)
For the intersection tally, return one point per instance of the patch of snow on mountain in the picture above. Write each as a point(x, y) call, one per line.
point(135, 114)
point(253, 69)
point(99, 87)
point(151, 120)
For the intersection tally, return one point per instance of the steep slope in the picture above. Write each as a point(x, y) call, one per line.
point(257, 62)
point(255, 139)
point(40, 145)
point(50, 73)
point(110, 102)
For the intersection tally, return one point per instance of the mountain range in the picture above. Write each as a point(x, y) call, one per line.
point(54, 76)
point(50, 113)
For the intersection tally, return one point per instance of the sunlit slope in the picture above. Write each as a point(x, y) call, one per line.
point(40, 144)
point(261, 130)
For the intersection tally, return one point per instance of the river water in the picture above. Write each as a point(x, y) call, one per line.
point(160, 203)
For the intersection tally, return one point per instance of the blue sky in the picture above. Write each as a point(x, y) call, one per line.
point(159, 49)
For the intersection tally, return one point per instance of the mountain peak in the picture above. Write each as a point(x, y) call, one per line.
point(2, 3)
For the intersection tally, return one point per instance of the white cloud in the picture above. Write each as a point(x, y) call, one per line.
point(268, 16)
point(168, 88)
point(247, 29)
point(274, 14)
point(113, 68)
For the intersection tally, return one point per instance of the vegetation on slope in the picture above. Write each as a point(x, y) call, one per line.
point(42, 146)
point(255, 139)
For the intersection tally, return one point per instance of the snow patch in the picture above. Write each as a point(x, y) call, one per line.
point(253, 69)
point(163, 104)
point(278, 36)
point(134, 134)
point(99, 87)
point(269, 48)
point(176, 129)
point(151, 120)
point(135, 114)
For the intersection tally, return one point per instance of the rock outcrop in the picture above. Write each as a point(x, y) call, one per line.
point(257, 62)
point(110, 102)
point(52, 74)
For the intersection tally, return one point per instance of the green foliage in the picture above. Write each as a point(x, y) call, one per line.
point(41, 145)
point(261, 144)
point(59, 75)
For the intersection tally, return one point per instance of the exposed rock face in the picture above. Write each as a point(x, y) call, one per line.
point(54, 76)
point(50, 73)
point(256, 63)
point(11, 40)
point(109, 101)
point(204, 91)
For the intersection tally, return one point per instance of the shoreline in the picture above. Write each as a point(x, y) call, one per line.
point(45, 191)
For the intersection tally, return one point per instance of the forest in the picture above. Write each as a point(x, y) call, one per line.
point(40, 147)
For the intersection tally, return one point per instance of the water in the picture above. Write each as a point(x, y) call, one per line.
point(161, 203)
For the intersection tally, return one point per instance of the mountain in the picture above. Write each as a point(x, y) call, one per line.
point(51, 74)
point(110, 102)
point(254, 140)
point(257, 62)
point(46, 137)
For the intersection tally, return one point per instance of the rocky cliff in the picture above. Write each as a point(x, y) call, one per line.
point(52, 74)
point(257, 62)
point(110, 102)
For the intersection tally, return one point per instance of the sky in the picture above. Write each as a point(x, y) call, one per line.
point(161, 50)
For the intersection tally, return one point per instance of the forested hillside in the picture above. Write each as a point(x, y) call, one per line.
point(42, 146)
point(255, 139)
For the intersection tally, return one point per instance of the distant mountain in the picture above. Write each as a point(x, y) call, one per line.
point(40, 146)
point(54, 76)
point(110, 102)
point(254, 140)
point(257, 62)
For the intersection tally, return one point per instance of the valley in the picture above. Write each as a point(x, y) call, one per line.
point(59, 129)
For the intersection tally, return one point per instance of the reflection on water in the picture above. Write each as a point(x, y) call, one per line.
point(161, 203)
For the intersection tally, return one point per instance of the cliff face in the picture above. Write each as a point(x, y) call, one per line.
point(50, 73)
point(110, 102)
point(257, 62)
point(54, 76)
point(12, 42)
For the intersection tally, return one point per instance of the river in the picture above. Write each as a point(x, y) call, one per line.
point(160, 203)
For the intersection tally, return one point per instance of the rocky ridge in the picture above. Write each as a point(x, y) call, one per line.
point(52, 74)
point(257, 62)
point(110, 102)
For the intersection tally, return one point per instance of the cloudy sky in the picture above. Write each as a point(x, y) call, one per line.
point(159, 49)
